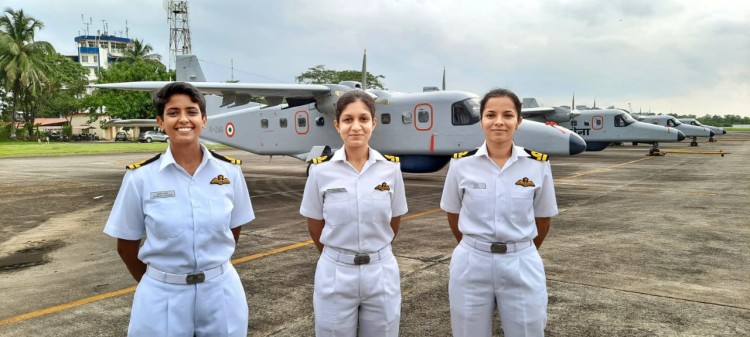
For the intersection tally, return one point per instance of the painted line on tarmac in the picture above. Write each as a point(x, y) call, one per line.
point(563, 180)
point(87, 300)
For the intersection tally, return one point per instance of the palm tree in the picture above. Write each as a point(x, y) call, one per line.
point(139, 52)
point(22, 60)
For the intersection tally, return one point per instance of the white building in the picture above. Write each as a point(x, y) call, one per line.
point(96, 52)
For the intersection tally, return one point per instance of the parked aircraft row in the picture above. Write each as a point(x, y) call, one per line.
point(423, 129)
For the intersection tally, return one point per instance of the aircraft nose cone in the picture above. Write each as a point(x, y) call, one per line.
point(712, 133)
point(680, 136)
point(723, 132)
point(576, 144)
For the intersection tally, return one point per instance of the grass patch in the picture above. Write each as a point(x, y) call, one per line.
point(34, 149)
point(737, 129)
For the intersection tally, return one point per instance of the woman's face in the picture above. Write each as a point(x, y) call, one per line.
point(355, 124)
point(500, 120)
point(182, 120)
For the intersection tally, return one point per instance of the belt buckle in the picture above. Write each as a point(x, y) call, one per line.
point(195, 278)
point(499, 248)
point(361, 258)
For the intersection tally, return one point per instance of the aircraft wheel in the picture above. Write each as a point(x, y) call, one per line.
point(693, 143)
point(635, 143)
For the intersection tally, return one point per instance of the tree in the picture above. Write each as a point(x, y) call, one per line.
point(125, 104)
point(320, 75)
point(139, 52)
point(23, 70)
point(67, 85)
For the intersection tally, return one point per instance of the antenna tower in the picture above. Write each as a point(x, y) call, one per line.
point(179, 29)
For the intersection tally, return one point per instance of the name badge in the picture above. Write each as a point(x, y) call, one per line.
point(336, 190)
point(478, 186)
point(162, 194)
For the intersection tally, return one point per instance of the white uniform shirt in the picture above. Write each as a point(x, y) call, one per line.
point(357, 207)
point(186, 219)
point(499, 205)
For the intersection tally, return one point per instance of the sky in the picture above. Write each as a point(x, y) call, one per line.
point(668, 56)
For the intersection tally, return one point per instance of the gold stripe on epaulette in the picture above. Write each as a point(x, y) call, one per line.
point(319, 159)
point(142, 162)
point(538, 155)
point(392, 158)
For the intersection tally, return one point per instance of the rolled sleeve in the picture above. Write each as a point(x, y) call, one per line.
point(312, 205)
point(126, 220)
point(398, 204)
point(242, 212)
point(545, 203)
point(451, 199)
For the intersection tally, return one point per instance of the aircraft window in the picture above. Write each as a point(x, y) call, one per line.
point(598, 122)
point(301, 122)
point(320, 121)
point(385, 118)
point(623, 120)
point(282, 122)
point(264, 123)
point(671, 123)
point(423, 116)
point(406, 117)
point(676, 122)
point(465, 112)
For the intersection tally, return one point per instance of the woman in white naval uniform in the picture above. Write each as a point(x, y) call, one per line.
point(499, 199)
point(190, 203)
point(353, 202)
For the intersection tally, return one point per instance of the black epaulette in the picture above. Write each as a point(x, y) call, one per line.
point(226, 159)
point(142, 162)
point(392, 158)
point(537, 155)
point(465, 153)
point(321, 159)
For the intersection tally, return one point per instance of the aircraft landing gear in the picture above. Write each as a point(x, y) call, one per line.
point(654, 151)
point(711, 140)
point(694, 142)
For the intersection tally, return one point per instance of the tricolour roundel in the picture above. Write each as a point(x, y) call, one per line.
point(229, 129)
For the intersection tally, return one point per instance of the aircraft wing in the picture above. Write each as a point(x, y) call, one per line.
point(537, 113)
point(237, 93)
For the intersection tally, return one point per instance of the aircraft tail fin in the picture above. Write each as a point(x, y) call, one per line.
point(188, 69)
point(530, 103)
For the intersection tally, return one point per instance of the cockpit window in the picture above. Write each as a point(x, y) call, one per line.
point(673, 122)
point(623, 120)
point(465, 112)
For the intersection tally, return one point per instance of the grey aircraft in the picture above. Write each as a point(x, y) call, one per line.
point(601, 127)
point(717, 130)
point(423, 129)
point(672, 122)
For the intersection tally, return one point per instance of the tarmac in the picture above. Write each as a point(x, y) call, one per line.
point(643, 246)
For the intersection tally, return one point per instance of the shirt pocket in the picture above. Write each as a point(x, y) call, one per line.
point(337, 209)
point(381, 207)
point(478, 204)
point(522, 205)
point(221, 213)
point(164, 218)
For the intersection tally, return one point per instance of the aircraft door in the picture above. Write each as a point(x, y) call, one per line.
point(301, 122)
point(423, 117)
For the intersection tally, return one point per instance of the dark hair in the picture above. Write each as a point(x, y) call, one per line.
point(165, 94)
point(352, 96)
point(496, 93)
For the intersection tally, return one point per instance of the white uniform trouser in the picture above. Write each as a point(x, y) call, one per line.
point(347, 295)
point(217, 307)
point(514, 282)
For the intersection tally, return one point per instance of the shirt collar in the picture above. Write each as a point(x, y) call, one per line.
point(168, 159)
point(515, 152)
point(374, 155)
